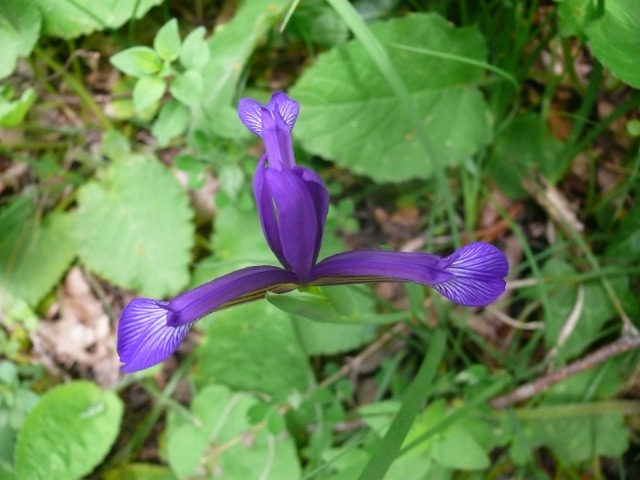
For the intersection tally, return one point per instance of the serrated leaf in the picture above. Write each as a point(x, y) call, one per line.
point(134, 227)
point(167, 41)
point(72, 18)
point(172, 122)
point(221, 417)
point(187, 88)
point(349, 113)
point(148, 90)
point(615, 41)
point(68, 432)
point(137, 61)
point(34, 252)
point(19, 30)
point(194, 53)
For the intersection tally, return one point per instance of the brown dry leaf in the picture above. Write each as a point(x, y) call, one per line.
point(82, 335)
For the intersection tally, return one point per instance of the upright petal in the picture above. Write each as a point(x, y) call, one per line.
point(295, 214)
point(277, 140)
point(267, 212)
point(320, 199)
point(478, 272)
point(249, 111)
point(144, 338)
point(242, 286)
point(287, 107)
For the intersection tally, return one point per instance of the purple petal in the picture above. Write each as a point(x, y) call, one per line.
point(295, 212)
point(478, 272)
point(320, 198)
point(267, 213)
point(473, 275)
point(277, 140)
point(364, 266)
point(249, 111)
point(144, 338)
point(242, 286)
point(287, 107)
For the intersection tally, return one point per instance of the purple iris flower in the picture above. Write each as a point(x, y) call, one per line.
point(292, 205)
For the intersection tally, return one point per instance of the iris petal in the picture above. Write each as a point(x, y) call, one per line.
point(296, 217)
point(242, 286)
point(364, 266)
point(266, 212)
point(288, 108)
point(320, 199)
point(478, 272)
point(144, 338)
point(249, 111)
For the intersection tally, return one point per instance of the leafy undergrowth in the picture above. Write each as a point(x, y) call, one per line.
point(125, 171)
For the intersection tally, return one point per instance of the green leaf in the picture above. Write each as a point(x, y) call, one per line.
point(187, 88)
point(194, 53)
point(13, 112)
point(148, 90)
point(316, 22)
point(68, 433)
point(20, 22)
point(615, 41)
point(137, 61)
point(34, 252)
point(134, 227)
point(140, 471)
point(349, 113)
point(172, 122)
point(220, 417)
point(72, 18)
point(167, 41)
point(524, 146)
point(456, 449)
point(253, 347)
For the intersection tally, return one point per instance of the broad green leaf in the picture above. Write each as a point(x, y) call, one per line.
point(148, 90)
point(615, 40)
point(194, 53)
point(349, 113)
point(253, 347)
point(167, 41)
point(575, 15)
point(314, 21)
point(134, 227)
point(13, 112)
point(72, 18)
point(220, 418)
point(172, 122)
point(524, 146)
point(188, 87)
point(230, 47)
point(20, 22)
point(68, 433)
point(137, 61)
point(456, 449)
point(624, 244)
point(34, 251)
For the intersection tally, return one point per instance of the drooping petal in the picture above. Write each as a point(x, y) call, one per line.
point(277, 140)
point(295, 214)
point(287, 107)
point(473, 275)
point(242, 286)
point(365, 266)
point(267, 213)
point(478, 272)
point(144, 338)
point(249, 111)
point(320, 198)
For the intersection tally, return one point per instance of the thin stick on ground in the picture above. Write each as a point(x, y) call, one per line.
point(592, 360)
